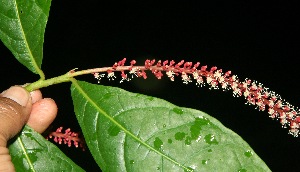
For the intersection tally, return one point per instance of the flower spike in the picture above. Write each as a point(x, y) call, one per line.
point(67, 137)
point(254, 93)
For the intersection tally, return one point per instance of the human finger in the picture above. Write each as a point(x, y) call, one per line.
point(36, 95)
point(15, 107)
point(42, 114)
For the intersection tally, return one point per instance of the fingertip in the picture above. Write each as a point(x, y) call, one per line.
point(18, 94)
point(36, 95)
point(15, 108)
point(43, 114)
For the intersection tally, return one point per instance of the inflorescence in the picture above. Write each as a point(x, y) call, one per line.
point(67, 137)
point(255, 93)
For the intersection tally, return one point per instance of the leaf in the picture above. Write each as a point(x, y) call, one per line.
point(132, 132)
point(22, 27)
point(31, 152)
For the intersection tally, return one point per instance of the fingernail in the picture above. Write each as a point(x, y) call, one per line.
point(17, 94)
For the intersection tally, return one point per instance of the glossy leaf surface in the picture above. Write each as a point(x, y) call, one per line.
point(22, 27)
point(31, 152)
point(133, 132)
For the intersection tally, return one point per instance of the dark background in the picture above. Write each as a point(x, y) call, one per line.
point(255, 41)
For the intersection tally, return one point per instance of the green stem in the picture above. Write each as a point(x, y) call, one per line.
point(72, 73)
point(62, 78)
point(45, 83)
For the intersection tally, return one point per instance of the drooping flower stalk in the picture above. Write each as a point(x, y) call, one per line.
point(254, 93)
point(67, 137)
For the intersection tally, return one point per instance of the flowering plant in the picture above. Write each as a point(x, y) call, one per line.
point(131, 132)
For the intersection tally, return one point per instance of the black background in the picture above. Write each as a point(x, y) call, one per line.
point(256, 41)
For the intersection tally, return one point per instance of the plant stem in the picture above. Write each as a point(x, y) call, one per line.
point(68, 76)
point(255, 93)
point(45, 83)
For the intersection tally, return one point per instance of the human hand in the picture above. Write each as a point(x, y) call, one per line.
point(17, 108)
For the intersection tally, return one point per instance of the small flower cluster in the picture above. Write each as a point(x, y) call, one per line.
point(254, 93)
point(67, 137)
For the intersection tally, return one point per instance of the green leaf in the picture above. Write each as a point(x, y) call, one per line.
point(22, 27)
point(31, 152)
point(132, 132)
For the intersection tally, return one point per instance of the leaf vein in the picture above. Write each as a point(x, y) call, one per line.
point(105, 114)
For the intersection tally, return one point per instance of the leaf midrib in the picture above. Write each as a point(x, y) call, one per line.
point(37, 69)
point(123, 128)
point(25, 154)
